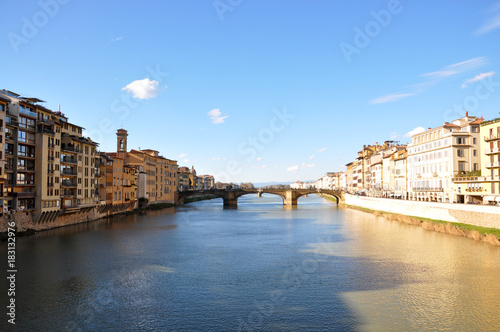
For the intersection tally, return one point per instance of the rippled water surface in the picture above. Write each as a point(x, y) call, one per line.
point(263, 266)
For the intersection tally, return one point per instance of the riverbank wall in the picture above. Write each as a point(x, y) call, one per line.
point(477, 215)
point(484, 221)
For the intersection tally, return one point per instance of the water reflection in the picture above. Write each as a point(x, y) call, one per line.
point(263, 266)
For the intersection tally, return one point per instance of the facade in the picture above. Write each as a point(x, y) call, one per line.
point(49, 165)
point(490, 160)
point(437, 155)
point(160, 173)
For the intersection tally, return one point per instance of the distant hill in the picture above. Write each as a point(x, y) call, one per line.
point(263, 184)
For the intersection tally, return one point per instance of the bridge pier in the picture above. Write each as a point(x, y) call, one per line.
point(259, 194)
point(230, 199)
point(291, 197)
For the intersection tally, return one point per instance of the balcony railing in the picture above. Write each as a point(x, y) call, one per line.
point(50, 184)
point(491, 138)
point(51, 158)
point(493, 165)
point(68, 184)
point(67, 171)
point(492, 151)
point(69, 148)
point(427, 189)
point(11, 122)
point(68, 160)
point(27, 112)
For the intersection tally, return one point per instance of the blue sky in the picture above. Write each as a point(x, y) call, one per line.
point(257, 90)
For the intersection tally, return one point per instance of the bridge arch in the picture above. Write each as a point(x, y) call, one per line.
point(230, 197)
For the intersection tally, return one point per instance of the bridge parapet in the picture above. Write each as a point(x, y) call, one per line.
point(230, 196)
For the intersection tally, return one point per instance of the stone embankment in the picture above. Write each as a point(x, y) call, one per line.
point(477, 222)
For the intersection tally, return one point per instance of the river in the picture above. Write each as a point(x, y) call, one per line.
point(261, 267)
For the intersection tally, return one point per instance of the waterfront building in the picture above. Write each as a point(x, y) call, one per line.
point(3, 109)
point(437, 155)
point(49, 165)
point(483, 187)
point(185, 179)
point(490, 160)
point(160, 172)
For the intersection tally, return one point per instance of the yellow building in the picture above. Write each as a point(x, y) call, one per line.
point(483, 187)
point(161, 173)
point(436, 156)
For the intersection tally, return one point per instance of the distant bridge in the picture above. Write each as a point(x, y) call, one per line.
point(230, 196)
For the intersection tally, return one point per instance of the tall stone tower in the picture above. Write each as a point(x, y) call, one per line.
point(121, 143)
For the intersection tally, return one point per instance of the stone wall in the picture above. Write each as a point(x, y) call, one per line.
point(26, 221)
point(478, 215)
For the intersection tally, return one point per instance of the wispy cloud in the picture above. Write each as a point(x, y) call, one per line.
point(308, 165)
point(477, 78)
point(415, 131)
point(493, 22)
point(143, 89)
point(116, 39)
point(182, 155)
point(390, 98)
point(258, 159)
point(394, 135)
point(431, 79)
point(218, 158)
point(293, 169)
point(319, 151)
point(216, 116)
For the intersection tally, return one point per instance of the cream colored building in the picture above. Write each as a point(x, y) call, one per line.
point(437, 155)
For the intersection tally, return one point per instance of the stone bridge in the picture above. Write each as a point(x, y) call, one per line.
point(230, 196)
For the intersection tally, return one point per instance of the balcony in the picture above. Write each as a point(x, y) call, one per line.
point(70, 172)
point(50, 171)
point(50, 184)
point(25, 155)
point(428, 189)
point(69, 148)
point(495, 164)
point(66, 160)
point(68, 184)
point(492, 151)
point(26, 126)
point(51, 145)
point(467, 179)
point(492, 138)
point(11, 122)
point(27, 112)
point(25, 194)
point(50, 158)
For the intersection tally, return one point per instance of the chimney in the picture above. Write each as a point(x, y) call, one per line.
point(467, 114)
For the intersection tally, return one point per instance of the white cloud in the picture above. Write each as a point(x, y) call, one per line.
point(182, 155)
point(143, 89)
point(308, 165)
point(258, 159)
point(432, 79)
point(477, 78)
point(319, 151)
point(185, 160)
point(415, 131)
point(215, 116)
point(493, 22)
point(293, 169)
point(394, 135)
point(218, 158)
point(390, 98)
point(116, 39)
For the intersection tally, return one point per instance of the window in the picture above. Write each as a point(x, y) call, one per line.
point(460, 153)
point(474, 153)
point(461, 166)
